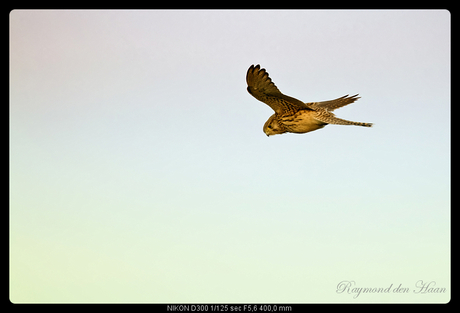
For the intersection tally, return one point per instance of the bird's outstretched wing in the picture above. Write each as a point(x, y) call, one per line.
point(331, 105)
point(263, 89)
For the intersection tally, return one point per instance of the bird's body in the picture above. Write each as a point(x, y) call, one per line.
point(292, 115)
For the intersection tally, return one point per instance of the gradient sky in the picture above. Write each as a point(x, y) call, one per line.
point(139, 171)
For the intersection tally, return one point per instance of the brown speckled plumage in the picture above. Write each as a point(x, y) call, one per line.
point(292, 115)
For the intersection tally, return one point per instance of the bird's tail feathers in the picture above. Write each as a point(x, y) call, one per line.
point(331, 119)
point(339, 121)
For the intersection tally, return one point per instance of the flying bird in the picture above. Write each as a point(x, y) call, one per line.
point(292, 115)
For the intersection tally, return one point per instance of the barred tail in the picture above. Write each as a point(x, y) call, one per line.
point(328, 117)
point(356, 123)
point(339, 121)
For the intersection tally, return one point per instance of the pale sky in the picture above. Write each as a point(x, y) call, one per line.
point(139, 171)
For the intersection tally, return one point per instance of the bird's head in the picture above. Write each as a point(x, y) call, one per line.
point(272, 127)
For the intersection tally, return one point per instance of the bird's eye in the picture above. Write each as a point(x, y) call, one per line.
point(270, 126)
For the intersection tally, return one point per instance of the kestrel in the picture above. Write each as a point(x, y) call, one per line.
point(292, 115)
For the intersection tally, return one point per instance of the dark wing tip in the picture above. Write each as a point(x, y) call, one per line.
point(252, 67)
point(355, 97)
point(350, 98)
point(253, 71)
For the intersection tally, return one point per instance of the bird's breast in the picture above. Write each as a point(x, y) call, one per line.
point(302, 121)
